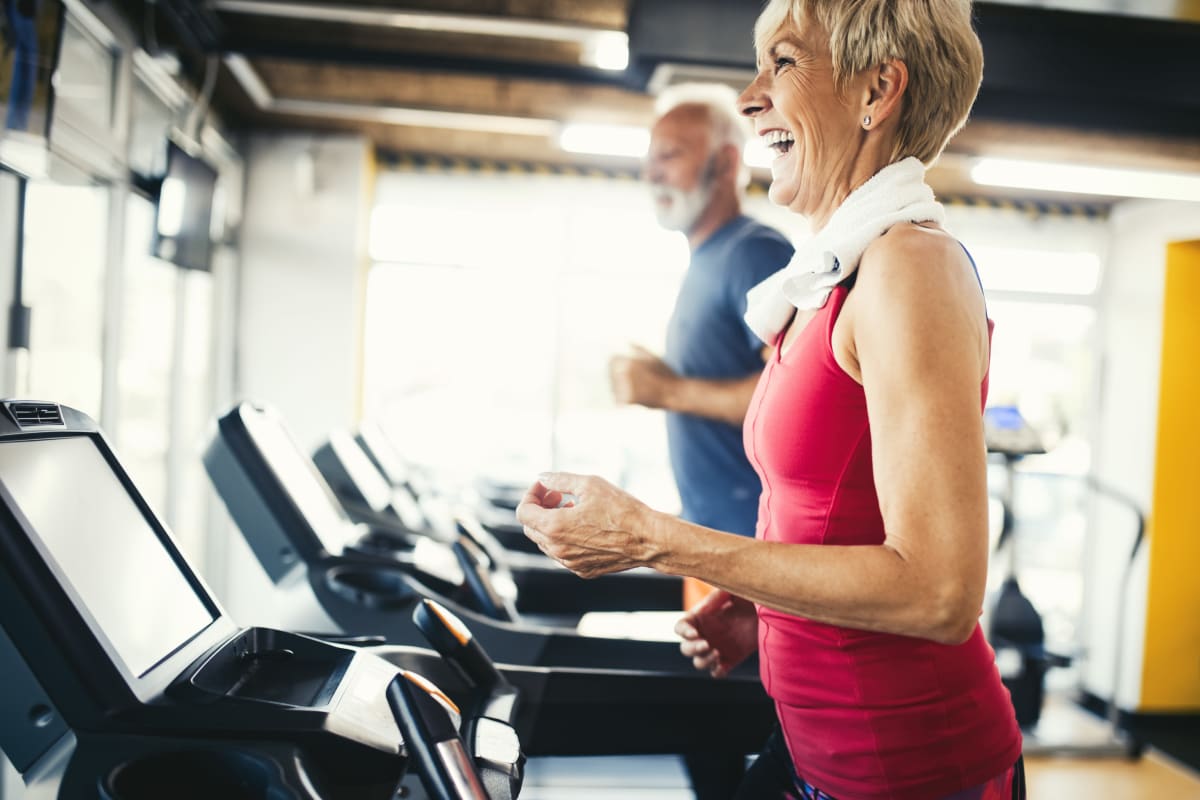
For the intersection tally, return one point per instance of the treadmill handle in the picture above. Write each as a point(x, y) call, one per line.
point(432, 742)
point(447, 634)
point(476, 574)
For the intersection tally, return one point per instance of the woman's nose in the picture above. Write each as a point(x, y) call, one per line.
point(753, 99)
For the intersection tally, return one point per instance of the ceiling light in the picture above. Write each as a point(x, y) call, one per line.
point(416, 117)
point(607, 50)
point(1086, 180)
point(602, 48)
point(605, 140)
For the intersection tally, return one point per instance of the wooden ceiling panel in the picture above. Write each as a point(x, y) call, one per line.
point(469, 93)
point(332, 42)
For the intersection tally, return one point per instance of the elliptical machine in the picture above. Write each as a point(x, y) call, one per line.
point(1015, 629)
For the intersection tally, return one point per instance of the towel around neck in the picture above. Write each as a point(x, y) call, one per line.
point(896, 194)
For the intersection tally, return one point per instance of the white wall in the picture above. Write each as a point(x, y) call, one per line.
point(303, 270)
point(303, 244)
point(1124, 451)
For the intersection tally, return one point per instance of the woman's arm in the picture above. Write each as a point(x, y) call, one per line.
point(919, 342)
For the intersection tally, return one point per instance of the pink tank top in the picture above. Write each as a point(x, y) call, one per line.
point(865, 715)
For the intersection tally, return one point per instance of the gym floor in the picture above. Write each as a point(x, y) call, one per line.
point(1152, 777)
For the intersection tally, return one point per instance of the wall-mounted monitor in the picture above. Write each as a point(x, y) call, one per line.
point(183, 225)
point(31, 33)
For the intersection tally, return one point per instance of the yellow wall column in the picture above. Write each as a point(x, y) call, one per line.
point(1171, 665)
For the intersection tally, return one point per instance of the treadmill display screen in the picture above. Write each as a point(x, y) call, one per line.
point(303, 484)
point(367, 479)
point(104, 550)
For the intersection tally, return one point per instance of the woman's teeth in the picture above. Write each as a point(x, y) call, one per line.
point(778, 141)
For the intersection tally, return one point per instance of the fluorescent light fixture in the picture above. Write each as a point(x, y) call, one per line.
point(1078, 179)
point(602, 48)
point(607, 50)
point(756, 154)
point(416, 117)
point(605, 140)
point(620, 140)
point(1007, 269)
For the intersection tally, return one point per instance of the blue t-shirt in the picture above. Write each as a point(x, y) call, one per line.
point(707, 338)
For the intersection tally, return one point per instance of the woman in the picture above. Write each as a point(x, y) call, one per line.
point(863, 587)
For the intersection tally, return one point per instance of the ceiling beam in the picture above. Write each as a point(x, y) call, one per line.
point(251, 47)
point(428, 21)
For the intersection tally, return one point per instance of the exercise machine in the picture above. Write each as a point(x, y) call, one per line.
point(126, 680)
point(1015, 628)
point(364, 580)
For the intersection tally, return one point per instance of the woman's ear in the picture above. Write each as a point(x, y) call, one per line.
point(885, 88)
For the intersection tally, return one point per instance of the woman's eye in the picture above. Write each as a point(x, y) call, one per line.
point(782, 62)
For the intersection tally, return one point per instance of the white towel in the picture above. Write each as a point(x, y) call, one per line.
point(897, 193)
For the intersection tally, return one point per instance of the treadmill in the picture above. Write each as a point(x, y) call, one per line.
point(494, 510)
point(365, 493)
point(543, 587)
point(365, 582)
point(124, 679)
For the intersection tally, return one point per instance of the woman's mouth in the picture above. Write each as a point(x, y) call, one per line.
point(778, 141)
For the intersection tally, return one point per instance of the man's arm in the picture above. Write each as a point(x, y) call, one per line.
point(645, 379)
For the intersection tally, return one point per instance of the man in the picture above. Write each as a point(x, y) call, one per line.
point(713, 360)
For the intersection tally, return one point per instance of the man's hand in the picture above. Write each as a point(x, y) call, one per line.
point(641, 378)
point(719, 633)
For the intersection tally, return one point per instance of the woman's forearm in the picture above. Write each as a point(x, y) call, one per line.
point(867, 587)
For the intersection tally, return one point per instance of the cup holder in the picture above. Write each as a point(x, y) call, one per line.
point(198, 775)
point(371, 587)
point(384, 543)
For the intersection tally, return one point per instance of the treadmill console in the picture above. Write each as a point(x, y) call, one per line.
point(286, 510)
point(1007, 432)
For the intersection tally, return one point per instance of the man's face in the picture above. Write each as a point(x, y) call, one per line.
point(679, 166)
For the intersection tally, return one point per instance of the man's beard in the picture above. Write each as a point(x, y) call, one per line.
point(685, 207)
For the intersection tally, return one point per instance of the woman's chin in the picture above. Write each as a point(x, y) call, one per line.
point(782, 191)
point(784, 180)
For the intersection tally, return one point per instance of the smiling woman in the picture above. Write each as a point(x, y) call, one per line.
point(865, 580)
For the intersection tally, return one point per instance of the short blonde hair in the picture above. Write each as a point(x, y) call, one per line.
point(934, 38)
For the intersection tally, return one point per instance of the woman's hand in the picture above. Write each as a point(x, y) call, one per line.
point(719, 633)
point(586, 524)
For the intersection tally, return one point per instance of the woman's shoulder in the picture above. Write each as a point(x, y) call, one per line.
point(916, 257)
point(920, 241)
